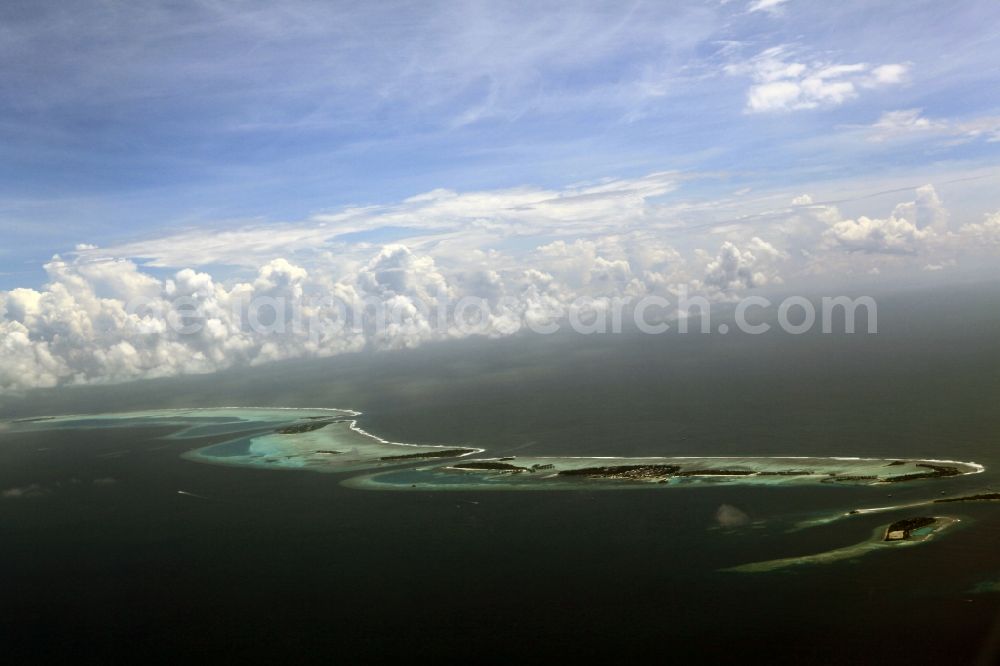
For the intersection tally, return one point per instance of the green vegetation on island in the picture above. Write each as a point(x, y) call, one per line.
point(623, 471)
point(446, 453)
point(491, 466)
point(982, 497)
point(903, 529)
point(300, 428)
point(936, 471)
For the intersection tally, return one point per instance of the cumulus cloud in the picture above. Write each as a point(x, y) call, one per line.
point(734, 270)
point(986, 232)
point(486, 263)
point(907, 230)
point(106, 321)
point(781, 82)
point(891, 235)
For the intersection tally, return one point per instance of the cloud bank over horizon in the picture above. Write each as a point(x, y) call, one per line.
point(175, 160)
point(516, 260)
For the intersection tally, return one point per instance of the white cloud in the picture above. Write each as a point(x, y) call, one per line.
point(897, 123)
point(529, 256)
point(734, 270)
point(911, 123)
point(889, 74)
point(433, 217)
point(772, 6)
point(939, 267)
point(104, 320)
point(907, 230)
point(892, 235)
point(784, 84)
point(986, 232)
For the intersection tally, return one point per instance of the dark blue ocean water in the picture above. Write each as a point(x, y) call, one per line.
point(108, 559)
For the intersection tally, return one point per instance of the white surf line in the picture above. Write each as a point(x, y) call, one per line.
point(176, 411)
point(978, 468)
point(186, 493)
point(356, 428)
point(894, 507)
point(352, 424)
point(832, 518)
point(804, 524)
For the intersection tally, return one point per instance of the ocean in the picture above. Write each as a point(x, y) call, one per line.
point(103, 557)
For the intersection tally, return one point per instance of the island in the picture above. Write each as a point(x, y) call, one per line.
point(981, 497)
point(555, 473)
point(908, 527)
point(899, 534)
point(330, 440)
point(309, 439)
point(826, 519)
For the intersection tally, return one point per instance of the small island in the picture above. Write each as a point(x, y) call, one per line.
point(981, 497)
point(630, 472)
point(827, 519)
point(309, 426)
point(905, 529)
point(899, 534)
point(443, 453)
point(935, 472)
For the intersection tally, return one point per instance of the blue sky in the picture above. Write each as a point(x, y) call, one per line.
point(125, 119)
point(729, 145)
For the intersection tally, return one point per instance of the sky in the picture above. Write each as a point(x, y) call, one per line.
point(539, 152)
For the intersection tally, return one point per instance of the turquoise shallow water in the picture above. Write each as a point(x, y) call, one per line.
point(332, 442)
point(103, 554)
